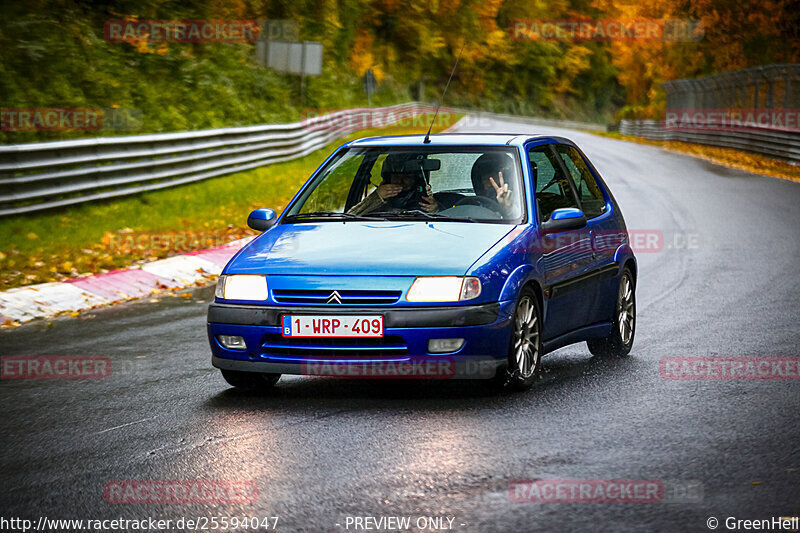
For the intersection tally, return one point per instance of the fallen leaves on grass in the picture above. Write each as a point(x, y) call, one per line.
point(115, 250)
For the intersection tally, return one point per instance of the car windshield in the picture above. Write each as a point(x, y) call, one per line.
point(460, 184)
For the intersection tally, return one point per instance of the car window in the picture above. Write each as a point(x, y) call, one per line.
point(470, 183)
point(331, 193)
point(592, 201)
point(553, 189)
point(453, 175)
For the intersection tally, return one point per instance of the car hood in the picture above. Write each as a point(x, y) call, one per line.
point(367, 248)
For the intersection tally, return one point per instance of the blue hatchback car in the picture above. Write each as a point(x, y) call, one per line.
point(456, 256)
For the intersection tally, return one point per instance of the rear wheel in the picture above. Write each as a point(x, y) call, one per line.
point(252, 381)
point(620, 340)
point(525, 350)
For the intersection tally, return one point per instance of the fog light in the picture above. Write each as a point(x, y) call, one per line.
point(232, 342)
point(445, 345)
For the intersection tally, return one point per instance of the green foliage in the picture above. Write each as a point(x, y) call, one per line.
point(53, 54)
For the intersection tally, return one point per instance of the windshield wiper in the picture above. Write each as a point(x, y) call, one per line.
point(417, 213)
point(331, 214)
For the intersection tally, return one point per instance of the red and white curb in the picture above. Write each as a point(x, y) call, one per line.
point(49, 299)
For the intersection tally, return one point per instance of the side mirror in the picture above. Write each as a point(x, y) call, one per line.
point(262, 219)
point(565, 219)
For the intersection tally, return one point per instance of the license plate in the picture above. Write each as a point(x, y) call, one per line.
point(333, 326)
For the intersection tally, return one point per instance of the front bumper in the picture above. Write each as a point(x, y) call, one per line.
point(402, 352)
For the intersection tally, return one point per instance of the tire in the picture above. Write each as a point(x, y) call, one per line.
point(525, 346)
point(620, 341)
point(251, 381)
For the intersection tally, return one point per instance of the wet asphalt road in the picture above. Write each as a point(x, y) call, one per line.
point(320, 450)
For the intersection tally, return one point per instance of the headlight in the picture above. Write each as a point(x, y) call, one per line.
point(242, 287)
point(443, 289)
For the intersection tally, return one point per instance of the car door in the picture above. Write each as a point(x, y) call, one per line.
point(566, 256)
point(603, 232)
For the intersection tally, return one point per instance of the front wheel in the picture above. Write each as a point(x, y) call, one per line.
point(252, 381)
point(525, 350)
point(620, 340)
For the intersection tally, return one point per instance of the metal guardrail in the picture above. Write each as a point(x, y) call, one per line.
point(774, 89)
point(767, 87)
point(779, 144)
point(38, 176)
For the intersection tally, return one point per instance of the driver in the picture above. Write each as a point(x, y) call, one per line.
point(397, 189)
point(488, 181)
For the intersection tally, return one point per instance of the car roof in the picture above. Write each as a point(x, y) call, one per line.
point(449, 139)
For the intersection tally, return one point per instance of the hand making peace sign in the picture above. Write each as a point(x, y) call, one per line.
point(502, 190)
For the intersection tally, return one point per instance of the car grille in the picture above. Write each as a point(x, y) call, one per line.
point(334, 348)
point(345, 297)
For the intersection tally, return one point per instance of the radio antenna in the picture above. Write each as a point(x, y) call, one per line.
point(428, 135)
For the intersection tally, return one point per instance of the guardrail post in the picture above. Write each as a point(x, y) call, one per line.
point(756, 85)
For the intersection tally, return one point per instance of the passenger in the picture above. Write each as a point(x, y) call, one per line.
point(488, 181)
